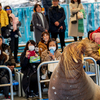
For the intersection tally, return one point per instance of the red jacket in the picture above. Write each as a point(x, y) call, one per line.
point(32, 53)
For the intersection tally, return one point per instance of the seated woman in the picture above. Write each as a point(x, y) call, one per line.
point(5, 59)
point(43, 43)
point(51, 53)
point(29, 69)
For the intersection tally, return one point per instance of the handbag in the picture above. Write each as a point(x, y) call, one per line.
point(31, 27)
point(74, 19)
point(80, 15)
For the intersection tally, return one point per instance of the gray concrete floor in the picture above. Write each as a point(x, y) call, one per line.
point(23, 98)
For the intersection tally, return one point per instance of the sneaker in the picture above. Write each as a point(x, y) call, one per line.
point(37, 94)
point(19, 33)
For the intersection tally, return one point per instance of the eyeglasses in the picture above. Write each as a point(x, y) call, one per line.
point(8, 9)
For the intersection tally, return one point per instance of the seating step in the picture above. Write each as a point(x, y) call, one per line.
point(18, 65)
point(91, 73)
point(15, 83)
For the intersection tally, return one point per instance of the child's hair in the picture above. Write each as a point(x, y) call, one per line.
point(52, 40)
point(90, 33)
point(30, 41)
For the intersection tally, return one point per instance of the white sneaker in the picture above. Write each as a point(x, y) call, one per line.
point(57, 40)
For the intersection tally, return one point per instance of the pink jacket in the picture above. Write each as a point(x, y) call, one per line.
point(15, 21)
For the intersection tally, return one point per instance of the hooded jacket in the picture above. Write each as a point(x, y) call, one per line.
point(15, 21)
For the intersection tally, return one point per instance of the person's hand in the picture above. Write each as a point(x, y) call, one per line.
point(11, 67)
point(46, 30)
point(27, 53)
point(61, 27)
point(13, 30)
point(56, 23)
point(36, 55)
point(97, 38)
point(53, 56)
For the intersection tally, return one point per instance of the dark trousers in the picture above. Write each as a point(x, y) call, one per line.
point(75, 38)
point(4, 80)
point(47, 18)
point(98, 62)
point(34, 83)
point(14, 46)
point(61, 35)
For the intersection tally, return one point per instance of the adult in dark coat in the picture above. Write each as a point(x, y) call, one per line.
point(40, 23)
point(56, 21)
point(5, 59)
point(29, 70)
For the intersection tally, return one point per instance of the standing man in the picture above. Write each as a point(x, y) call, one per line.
point(46, 4)
point(56, 21)
point(3, 19)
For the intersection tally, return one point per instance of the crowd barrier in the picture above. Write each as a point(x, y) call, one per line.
point(91, 22)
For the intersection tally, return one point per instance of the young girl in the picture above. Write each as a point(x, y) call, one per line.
point(51, 53)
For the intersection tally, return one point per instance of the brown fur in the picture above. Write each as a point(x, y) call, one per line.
point(71, 57)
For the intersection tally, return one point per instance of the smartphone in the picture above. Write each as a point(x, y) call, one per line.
point(52, 51)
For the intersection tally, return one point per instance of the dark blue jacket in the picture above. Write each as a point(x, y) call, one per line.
point(56, 14)
point(46, 4)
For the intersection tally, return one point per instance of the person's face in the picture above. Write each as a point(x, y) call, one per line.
point(46, 37)
point(8, 10)
point(75, 0)
point(52, 44)
point(30, 44)
point(38, 9)
point(0, 42)
point(55, 3)
point(0, 8)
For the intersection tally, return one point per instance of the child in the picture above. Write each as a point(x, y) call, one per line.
point(51, 54)
point(14, 22)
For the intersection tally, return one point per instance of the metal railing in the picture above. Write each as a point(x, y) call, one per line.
point(11, 84)
point(38, 76)
point(49, 62)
